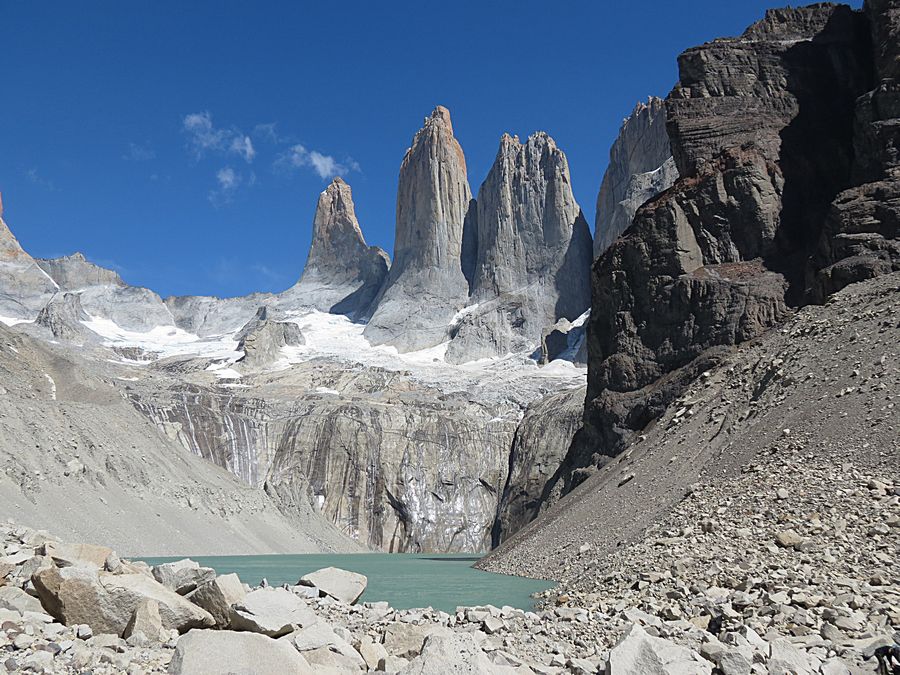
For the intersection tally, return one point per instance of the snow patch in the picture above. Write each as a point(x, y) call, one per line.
point(52, 386)
point(13, 321)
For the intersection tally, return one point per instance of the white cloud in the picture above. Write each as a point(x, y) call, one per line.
point(38, 179)
point(229, 180)
point(324, 165)
point(138, 152)
point(204, 137)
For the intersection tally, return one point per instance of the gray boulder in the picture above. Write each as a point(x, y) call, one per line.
point(271, 611)
point(223, 652)
point(638, 652)
point(13, 597)
point(640, 167)
point(426, 285)
point(217, 597)
point(337, 583)
point(452, 654)
point(342, 273)
point(106, 602)
point(321, 636)
point(183, 576)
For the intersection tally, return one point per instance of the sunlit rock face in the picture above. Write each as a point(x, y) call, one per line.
point(426, 286)
point(342, 273)
point(640, 167)
point(533, 252)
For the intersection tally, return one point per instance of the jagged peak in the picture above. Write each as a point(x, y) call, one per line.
point(441, 115)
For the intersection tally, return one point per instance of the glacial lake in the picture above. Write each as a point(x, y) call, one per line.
point(404, 580)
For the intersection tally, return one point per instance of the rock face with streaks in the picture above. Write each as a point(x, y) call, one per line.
point(342, 274)
point(426, 285)
point(24, 287)
point(263, 337)
point(532, 256)
point(761, 130)
point(640, 167)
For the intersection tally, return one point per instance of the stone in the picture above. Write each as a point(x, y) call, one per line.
point(426, 285)
point(342, 273)
point(336, 583)
point(451, 654)
point(217, 597)
point(320, 635)
point(63, 316)
point(106, 602)
point(13, 597)
point(225, 652)
point(638, 652)
point(640, 167)
point(786, 659)
point(734, 662)
point(373, 653)
point(69, 555)
point(182, 576)
point(24, 287)
point(788, 539)
point(406, 640)
point(271, 611)
point(146, 620)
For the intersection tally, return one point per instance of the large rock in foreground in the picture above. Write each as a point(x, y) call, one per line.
point(106, 602)
point(337, 583)
point(271, 611)
point(639, 652)
point(452, 654)
point(225, 652)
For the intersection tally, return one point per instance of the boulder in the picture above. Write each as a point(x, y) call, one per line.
point(106, 602)
point(73, 555)
point(271, 611)
point(373, 653)
point(337, 583)
point(453, 653)
point(145, 619)
point(639, 652)
point(214, 652)
point(217, 597)
point(321, 635)
point(183, 576)
point(13, 597)
point(406, 639)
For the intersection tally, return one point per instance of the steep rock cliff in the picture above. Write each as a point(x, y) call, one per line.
point(533, 252)
point(640, 167)
point(24, 286)
point(760, 127)
point(342, 273)
point(426, 285)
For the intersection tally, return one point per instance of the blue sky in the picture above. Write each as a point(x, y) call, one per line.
point(186, 144)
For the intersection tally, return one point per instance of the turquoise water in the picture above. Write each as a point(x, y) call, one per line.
point(404, 580)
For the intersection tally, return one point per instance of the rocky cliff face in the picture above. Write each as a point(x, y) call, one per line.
point(426, 285)
point(533, 252)
point(74, 272)
point(342, 274)
point(761, 129)
point(24, 287)
point(63, 316)
point(861, 237)
point(640, 167)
